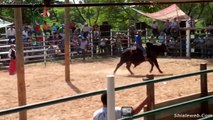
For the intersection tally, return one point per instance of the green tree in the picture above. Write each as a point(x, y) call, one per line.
point(120, 17)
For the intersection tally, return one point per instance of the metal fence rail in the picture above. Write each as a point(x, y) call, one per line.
point(69, 98)
point(163, 79)
point(170, 107)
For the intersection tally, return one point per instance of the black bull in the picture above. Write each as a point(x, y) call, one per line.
point(136, 57)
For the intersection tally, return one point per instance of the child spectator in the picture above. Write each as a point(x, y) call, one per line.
point(161, 38)
point(54, 29)
point(82, 45)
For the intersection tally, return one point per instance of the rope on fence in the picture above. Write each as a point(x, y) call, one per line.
point(69, 98)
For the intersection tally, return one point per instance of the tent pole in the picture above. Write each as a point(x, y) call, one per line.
point(188, 47)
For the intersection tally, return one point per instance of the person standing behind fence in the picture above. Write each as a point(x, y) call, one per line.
point(155, 30)
point(83, 45)
point(167, 27)
point(72, 26)
point(45, 27)
point(95, 36)
point(85, 30)
point(191, 22)
point(54, 28)
point(37, 29)
point(174, 28)
point(12, 56)
point(11, 32)
point(25, 34)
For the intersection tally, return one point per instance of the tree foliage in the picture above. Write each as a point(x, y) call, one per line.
point(120, 17)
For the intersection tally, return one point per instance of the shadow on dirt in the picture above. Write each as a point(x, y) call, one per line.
point(73, 87)
point(147, 76)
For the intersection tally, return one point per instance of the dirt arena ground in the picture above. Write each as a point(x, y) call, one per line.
point(48, 83)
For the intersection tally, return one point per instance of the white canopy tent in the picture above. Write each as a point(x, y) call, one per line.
point(5, 24)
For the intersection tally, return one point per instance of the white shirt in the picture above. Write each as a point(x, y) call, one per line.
point(11, 32)
point(25, 34)
point(155, 25)
point(86, 28)
point(83, 44)
point(101, 114)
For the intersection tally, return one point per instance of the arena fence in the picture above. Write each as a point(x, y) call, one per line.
point(46, 49)
point(83, 95)
point(170, 107)
point(114, 44)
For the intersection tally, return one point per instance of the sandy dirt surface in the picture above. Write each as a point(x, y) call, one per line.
point(48, 83)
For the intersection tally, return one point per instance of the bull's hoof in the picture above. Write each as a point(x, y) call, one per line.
point(161, 71)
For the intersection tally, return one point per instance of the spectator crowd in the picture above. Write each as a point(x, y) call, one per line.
point(97, 37)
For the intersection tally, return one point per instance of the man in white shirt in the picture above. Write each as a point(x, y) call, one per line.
point(25, 34)
point(11, 35)
point(86, 29)
point(101, 114)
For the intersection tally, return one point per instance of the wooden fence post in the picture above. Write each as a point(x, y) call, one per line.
point(204, 89)
point(22, 98)
point(67, 42)
point(150, 92)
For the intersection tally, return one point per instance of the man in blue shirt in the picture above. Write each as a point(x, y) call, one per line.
point(138, 43)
